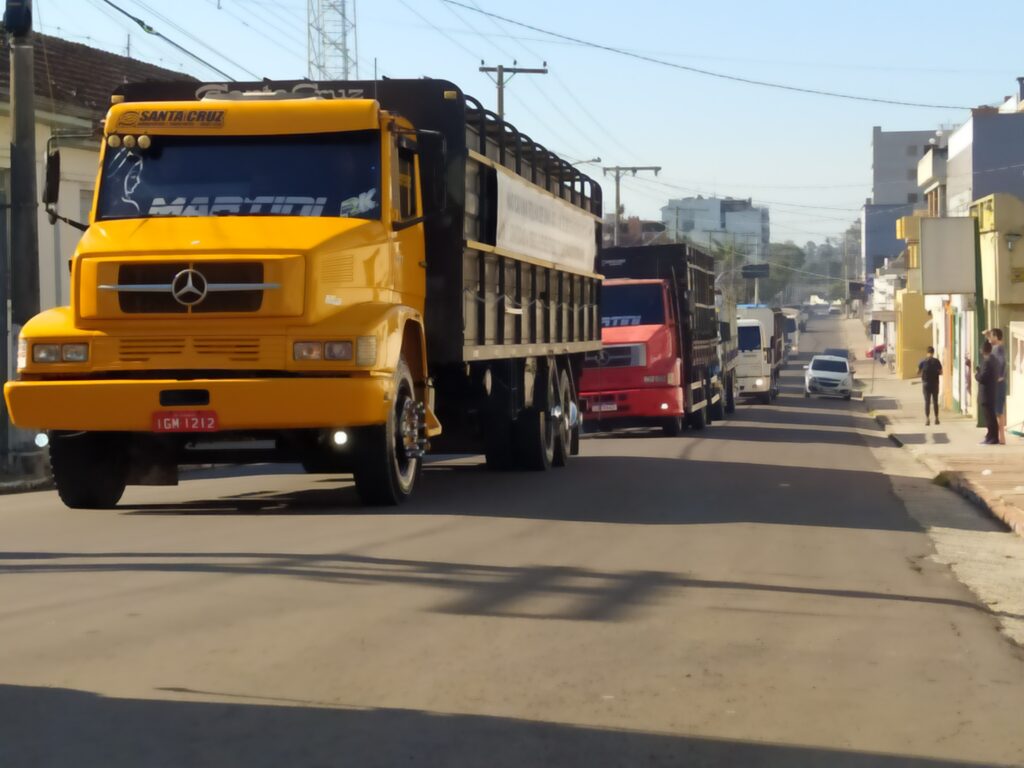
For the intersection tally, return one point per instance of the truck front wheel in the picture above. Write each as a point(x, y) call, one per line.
point(90, 469)
point(390, 456)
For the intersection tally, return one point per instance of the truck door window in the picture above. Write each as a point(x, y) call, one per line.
point(324, 175)
point(405, 188)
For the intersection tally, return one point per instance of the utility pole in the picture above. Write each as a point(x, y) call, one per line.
point(846, 280)
point(618, 171)
point(20, 266)
point(501, 80)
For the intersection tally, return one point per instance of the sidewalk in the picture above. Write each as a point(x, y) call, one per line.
point(990, 476)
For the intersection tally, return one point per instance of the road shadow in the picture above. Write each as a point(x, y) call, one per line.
point(879, 403)
point(541, 592)
point(65, 728)
point(659, 491)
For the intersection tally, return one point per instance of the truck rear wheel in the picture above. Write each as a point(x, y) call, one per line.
point(716, 411)
point(563, 421)
point(536, 433)
point(389, 457)
point(90, 469)
point(730, 394)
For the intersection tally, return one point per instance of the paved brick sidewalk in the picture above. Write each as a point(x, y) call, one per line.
point(991, 476)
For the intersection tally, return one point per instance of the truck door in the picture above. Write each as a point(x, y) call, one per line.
point(408, 254)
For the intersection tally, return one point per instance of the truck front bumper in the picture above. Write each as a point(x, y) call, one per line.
point(748, 385)
point(648, 403)
point(240, 404)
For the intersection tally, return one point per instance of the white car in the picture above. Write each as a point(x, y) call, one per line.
point(828, 375)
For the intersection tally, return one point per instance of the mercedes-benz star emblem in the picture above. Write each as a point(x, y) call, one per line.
point(189, 287)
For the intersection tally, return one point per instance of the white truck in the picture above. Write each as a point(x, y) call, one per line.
point(760, 332)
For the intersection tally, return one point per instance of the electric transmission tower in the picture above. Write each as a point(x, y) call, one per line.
point(333, 47)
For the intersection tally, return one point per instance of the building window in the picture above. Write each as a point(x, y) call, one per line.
point(912, 197)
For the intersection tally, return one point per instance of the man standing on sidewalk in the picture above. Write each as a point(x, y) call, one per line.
point(986, 376)
point(995, 336)
point(930, 370)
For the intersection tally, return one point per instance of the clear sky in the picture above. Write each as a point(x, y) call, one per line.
point(807, 157)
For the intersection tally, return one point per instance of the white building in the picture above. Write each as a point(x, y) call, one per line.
point(894, 192)
point(726, 222)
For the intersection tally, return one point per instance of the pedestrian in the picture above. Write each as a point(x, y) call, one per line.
point(930, 369)
point(995, 337)
point(986, 376)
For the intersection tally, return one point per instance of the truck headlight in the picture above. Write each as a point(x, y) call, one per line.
point(22, 353)
point(366, 350)
point(338, 350)
point(758, 382)
point(46, 353)
point(74, 353)
point(308, 350)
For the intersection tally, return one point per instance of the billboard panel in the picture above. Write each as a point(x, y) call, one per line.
point(535, 223)
point(947, 255)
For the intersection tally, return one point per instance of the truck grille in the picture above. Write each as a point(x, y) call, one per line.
point(236, 350)
point(618, 356)
point(151, 288)
point(142, 350)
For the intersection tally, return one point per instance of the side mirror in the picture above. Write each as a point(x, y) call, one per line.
point(51, 185)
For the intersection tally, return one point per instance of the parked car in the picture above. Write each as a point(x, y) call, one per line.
point(828, 375)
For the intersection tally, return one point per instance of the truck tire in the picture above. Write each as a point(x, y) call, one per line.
point(90, 469)
point(716, 411)
point(536, 433)
point(730, 395)
point(766, 397)
point(672, 427)
point(563, 424)
point(389, 456)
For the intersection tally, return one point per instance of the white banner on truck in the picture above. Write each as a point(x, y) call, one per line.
point(542, 226)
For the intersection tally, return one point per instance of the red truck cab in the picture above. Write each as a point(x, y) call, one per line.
point(636, 377)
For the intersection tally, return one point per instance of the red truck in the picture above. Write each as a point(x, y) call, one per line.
point(659, 336)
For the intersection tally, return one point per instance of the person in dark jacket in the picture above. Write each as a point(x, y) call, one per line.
point(987, 376)
point(930, 369)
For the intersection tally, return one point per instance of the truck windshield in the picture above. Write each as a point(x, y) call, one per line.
point(324, 174)
point(624, 305)
point(749, 337)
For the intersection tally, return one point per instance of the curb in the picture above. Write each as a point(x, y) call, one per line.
point(1012, 517)
point(26, 486)
point(1008, 514)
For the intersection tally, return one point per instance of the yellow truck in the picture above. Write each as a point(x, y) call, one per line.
point(321, 273)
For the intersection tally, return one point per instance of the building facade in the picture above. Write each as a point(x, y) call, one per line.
point(713, 222)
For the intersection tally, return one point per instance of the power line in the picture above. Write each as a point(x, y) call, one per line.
point(150, 31)
point(174, 25)
point(705, 72)
point(244, 23)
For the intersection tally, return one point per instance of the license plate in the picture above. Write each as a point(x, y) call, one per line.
point(602, 407)
point(185, 421)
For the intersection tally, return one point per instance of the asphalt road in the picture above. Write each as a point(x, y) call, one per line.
point(755, 594)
